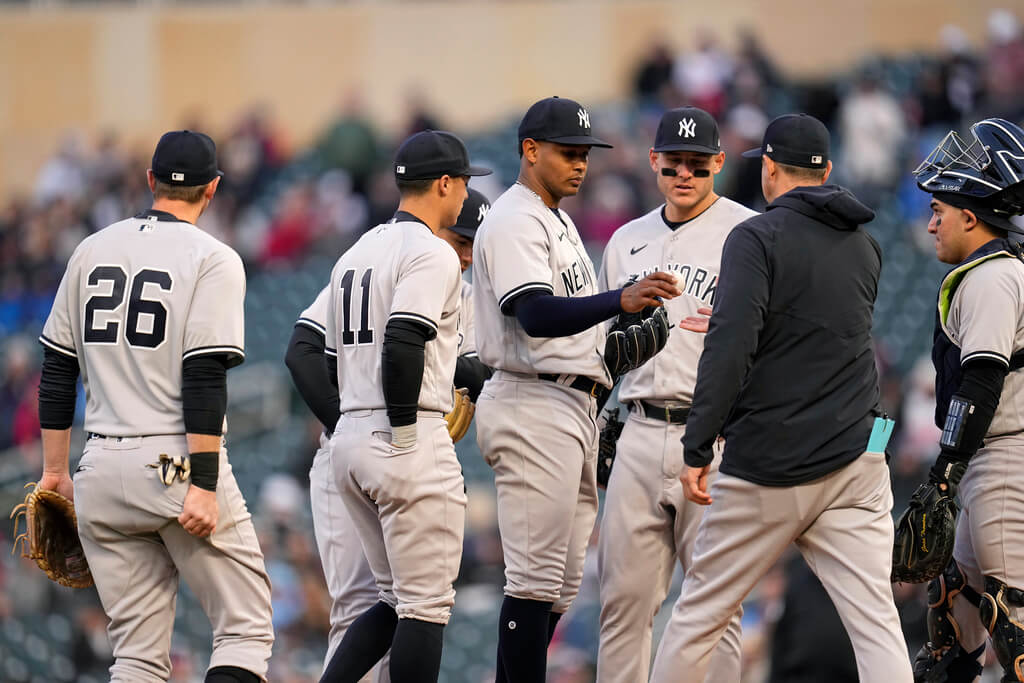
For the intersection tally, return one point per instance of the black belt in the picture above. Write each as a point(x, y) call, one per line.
point(584, 384)
point(676, 416)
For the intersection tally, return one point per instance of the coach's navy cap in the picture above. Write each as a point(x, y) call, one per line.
point(184, 157)
point(687, 129)
point(474, 209)
point(432, 154)
point(558, 120)
point(795, 139)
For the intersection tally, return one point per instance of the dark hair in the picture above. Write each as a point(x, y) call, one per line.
point(192, 194)
point(414, 187)
point(802, 172)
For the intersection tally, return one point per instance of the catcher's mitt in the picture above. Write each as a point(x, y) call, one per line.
point(610, 433)
point(461, 415)
point(51, 537)
point(924, 535)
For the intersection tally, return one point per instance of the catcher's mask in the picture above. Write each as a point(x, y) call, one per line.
point(984, 174)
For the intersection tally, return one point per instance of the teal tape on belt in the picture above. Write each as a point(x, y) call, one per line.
point(880, 433)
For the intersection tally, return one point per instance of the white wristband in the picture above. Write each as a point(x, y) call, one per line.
point(404, 436)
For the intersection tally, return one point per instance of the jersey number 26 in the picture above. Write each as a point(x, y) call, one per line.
point(155, 310)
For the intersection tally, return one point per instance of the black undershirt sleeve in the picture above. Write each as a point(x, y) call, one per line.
point(307, 364)
point(204, 393)
point(546, 315)
point(58, 390)
point(402, 369)
point(980, 385)
point(471, 373)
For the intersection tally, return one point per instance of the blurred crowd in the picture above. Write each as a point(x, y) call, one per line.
point(278, 205)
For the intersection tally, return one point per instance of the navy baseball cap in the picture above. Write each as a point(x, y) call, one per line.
point(796, 140)
point(558, 120)
point(433, 153)
point(687, 129)
point(474, 209)
point(186, 158)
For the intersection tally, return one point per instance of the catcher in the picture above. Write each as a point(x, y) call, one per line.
point(978, 353)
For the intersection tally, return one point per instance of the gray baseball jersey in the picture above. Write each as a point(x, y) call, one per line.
point(315, 315)
point(137, 298)
point(986, 320)
point(399, 271)
point(692, 252)
point(523, 246)
point(467, 328)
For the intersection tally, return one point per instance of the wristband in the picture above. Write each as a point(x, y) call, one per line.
point(204, 469)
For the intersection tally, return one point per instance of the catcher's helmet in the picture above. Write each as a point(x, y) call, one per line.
point(987, 172)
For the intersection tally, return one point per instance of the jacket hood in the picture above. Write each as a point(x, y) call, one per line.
point(830, 204)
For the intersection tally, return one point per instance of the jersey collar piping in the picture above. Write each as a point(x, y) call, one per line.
point(156, 215)
point(673, 225)
point(406, 217)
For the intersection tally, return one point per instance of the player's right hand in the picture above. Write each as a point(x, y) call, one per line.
point(650, 291)
point(199, 514)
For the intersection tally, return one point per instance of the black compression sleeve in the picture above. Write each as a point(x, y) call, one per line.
point(471, 373)
point(980, 386)
point(401, 369)
point(204, 393)
point(308, 365)
point(58, 390)
point(547, 315)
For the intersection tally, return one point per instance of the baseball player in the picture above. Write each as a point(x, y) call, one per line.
point(470, 372)
point(149, 312)
point(538, 318)
point(647, 524)
point(392, 332)
point(978, 353)
point(788, 377)
point(350, 581)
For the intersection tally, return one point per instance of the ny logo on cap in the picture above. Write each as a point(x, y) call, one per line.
point(687, 128)
point(482, 212)
point(399, 169)
point(584, 118)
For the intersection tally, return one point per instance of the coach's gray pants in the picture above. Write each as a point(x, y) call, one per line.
point(128, 521)
point(841, 523)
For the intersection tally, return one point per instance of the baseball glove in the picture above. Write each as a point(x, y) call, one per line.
point(924, 535)
point(635, 338)
point(51, 537)
point(461, 415)
point(610, 433)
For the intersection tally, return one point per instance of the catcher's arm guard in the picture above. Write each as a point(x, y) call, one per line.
point(460, 416)
point(924, 535)
point(610, 432)
point(51, 537)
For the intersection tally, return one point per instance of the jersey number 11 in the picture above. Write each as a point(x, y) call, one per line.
point(365, 333)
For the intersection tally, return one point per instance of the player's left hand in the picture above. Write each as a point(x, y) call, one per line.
point(695, 484)
point(61, 483)
point(199, 514)
point(697, 323)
